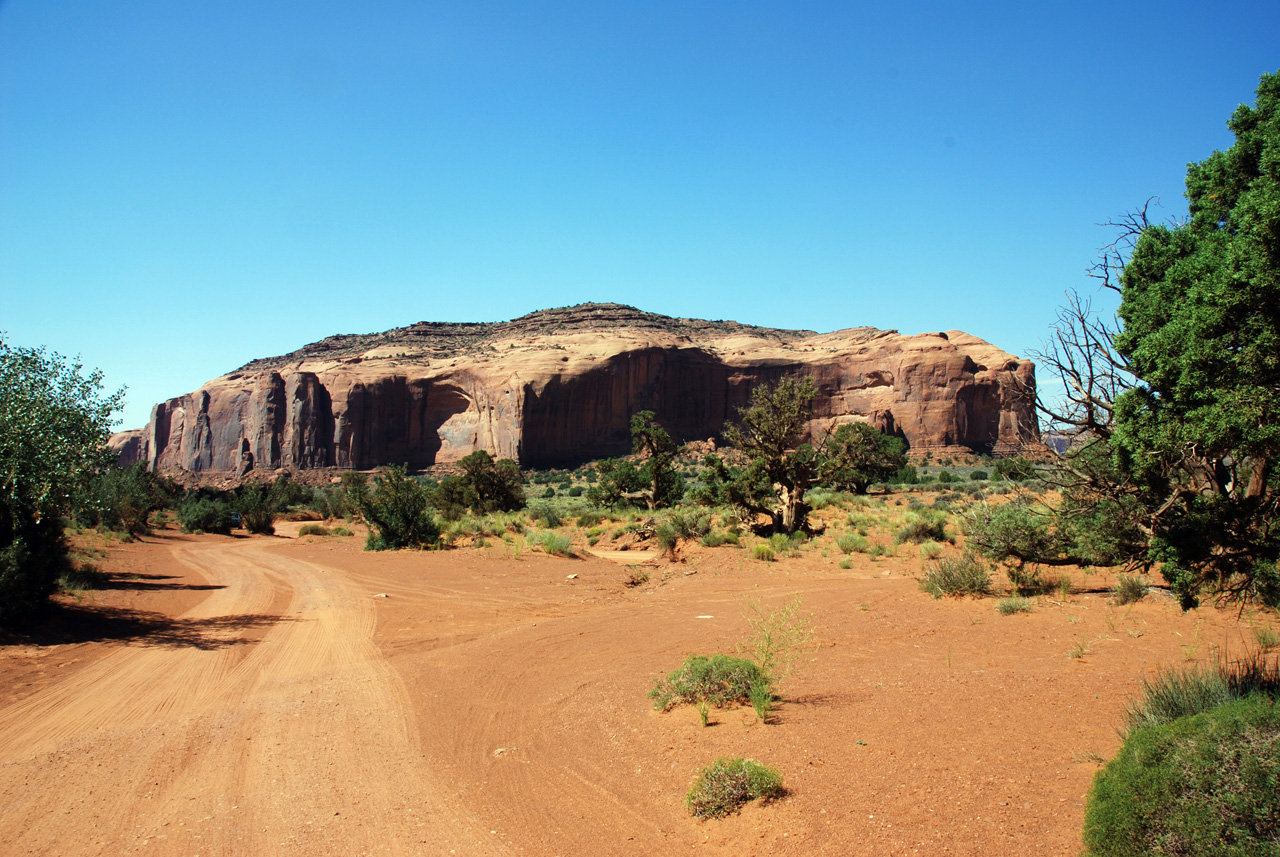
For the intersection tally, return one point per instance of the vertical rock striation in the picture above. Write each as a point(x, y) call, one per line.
point(558, 387)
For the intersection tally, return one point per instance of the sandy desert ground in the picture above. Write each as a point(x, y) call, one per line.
point(276, 695)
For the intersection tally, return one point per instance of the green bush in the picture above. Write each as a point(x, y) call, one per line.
point(716, 679)
point(341, 531)
point(852, 543)
point(979, 476)
point(716, 539)
point(1014, 604)
point(1204, 785)
point(548, 514)
point(396, 511)
point(726, 784)
point(1174, 694)
point(762, 551)
point(1129, 588)
point(553, 543)
point(590, 519)
point(315, 530)
point(957, 576)
point(205, 515)
point(923, 526)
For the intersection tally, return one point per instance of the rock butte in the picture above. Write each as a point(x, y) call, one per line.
point(558, 387)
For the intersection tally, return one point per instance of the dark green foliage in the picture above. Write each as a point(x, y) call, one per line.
point(396, 511)
point(54, 425)
point(726, 784)
point(1204, 785)
point(857, 455)
point(768, 433)
point(946, 477)
point(590, 519)
point(957, 576)
point(1014, 469)
point(906, 475)
point(202, 514)
point(1181, 425)
point(549, 493)
point(665, 485)
point(122, 499)
point(451, 498)
point(717, 680)
point(618, 482)
point(979, 476)
point(314, 530)
point(257, 505)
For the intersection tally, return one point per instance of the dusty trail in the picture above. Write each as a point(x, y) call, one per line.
point(234, 740)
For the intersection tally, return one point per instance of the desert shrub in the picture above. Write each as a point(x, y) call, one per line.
point(1014, 604)
point(553, 543)
point(716, 679)
point(716, 539)
point(979, 476)
point(957, 576)
point(846, 563)
point(727, 783)
point(341, 531)
point(1202, 785)
point(667, 536)
point(590, 519)
point(205, 515)
point(690, 522)
point(636, 577)
point(396, 511)
point(315, 530)
point(1172, 694)
point(762, 551)
point(852, 543)
point(946, 477)
point(930, 550)
point(257, 506)
point(922, 526)
point(546, 513)
point(575, 491)
point(780, 639)
point(1129, 588)
point(1266, 638)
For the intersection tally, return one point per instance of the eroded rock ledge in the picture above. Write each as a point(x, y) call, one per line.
point(558, 387)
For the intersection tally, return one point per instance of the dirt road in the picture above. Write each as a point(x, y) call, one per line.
point(272, 726)
point(495, 702)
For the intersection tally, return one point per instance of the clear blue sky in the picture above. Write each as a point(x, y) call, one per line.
point(186, 186)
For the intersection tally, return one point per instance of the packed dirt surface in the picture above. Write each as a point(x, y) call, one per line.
point(252, 696)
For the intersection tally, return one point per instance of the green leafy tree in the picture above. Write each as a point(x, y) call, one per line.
point(651, 441)
point(1175, 406)
point(769, 433)
point(857, 454)
point(123, 498)
point(618, 482)
point(396, 512)
point(54, 424)
point(492, 486)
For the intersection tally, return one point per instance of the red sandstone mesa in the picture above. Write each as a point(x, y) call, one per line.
point(559, 386)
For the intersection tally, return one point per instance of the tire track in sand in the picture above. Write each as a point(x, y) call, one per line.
point(297, 743)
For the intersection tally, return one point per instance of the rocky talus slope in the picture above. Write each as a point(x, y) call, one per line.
point(558, 387)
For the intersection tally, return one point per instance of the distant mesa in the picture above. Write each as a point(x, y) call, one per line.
point(558, 387)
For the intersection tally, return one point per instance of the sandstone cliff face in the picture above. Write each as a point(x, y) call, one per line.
point(559, 387)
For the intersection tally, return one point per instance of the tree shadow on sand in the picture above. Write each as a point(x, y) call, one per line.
point(65, 623)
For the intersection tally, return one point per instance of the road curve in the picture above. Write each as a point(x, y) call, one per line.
point(273, 727)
